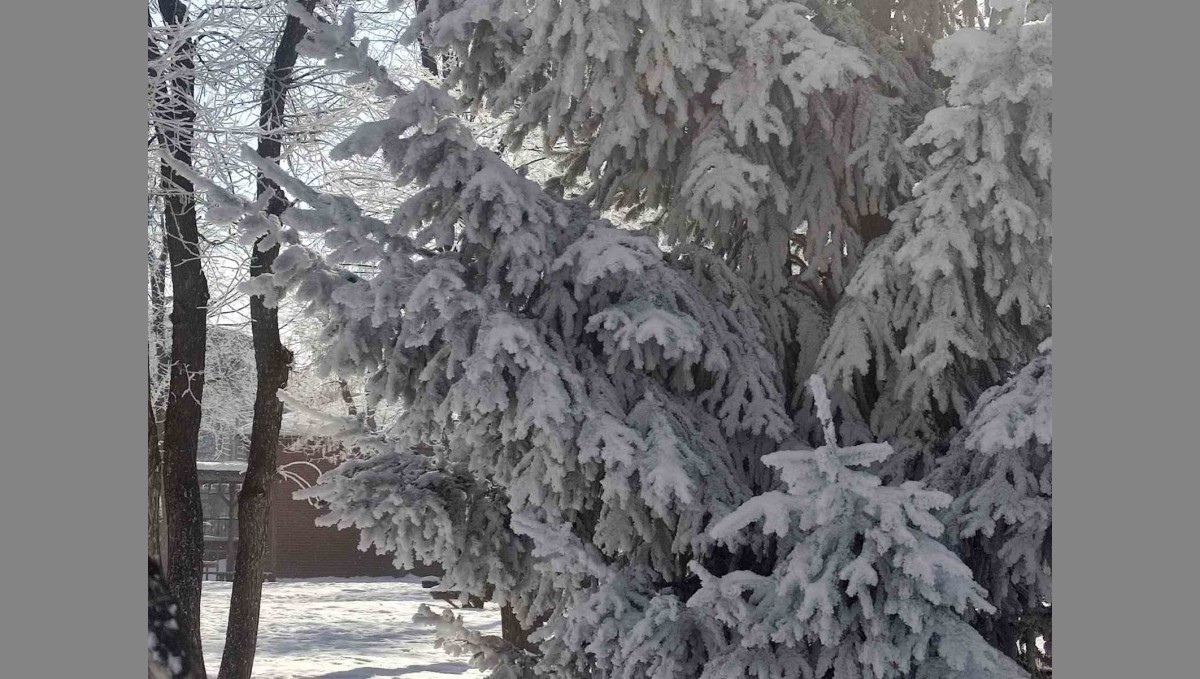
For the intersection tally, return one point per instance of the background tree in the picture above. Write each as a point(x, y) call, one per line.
point(772, 135)
point(173, 114)
point(201, 59)
point(230, 46)
point(154, 541)
point(958, 293)
point(272, 362)
point(998, 469)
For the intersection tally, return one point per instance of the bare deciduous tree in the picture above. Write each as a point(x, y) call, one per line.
point(272, 362)
point(174, 114)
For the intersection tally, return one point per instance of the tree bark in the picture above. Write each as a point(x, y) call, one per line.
point(971, 15)
point(512, 631)
point(870, 227)
point(878, 13)
point(347, 398)
point(174, 118)
point(273, 363)
point(427, 59)
point(153, 480)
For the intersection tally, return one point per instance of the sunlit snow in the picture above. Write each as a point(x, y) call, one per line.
point(355, 628)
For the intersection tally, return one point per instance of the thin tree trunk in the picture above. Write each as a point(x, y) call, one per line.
point(158, 405)
point(344, 386)
point(427, 59)
point(971, 14)
point(153, 479)
point(1031, 655)
point(273, 363)
point(175, 117)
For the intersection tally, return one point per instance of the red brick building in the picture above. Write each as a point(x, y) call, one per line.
point(297, 547)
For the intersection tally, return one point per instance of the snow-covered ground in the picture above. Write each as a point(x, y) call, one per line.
point(356, 628)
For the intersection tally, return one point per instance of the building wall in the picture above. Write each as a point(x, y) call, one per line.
point(301, 549)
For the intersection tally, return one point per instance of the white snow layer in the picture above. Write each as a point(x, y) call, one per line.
point(343, 628)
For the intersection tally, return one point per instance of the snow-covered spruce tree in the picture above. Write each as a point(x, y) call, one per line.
point(861, 588)
point(999, 471)
point(959, 292)
point(770, 133)
point(586, 405)
point(564, 372)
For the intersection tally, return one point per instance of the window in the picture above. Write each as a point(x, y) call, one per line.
point(219, 503)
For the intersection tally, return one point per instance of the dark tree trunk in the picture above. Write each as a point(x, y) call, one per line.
point(511, 629)
point(153, 480)
point(514, 633)
point(871, 227)
point(352, 409)
point(347, 397)
point(427, 59)
point(175, 117)
point(273, 363)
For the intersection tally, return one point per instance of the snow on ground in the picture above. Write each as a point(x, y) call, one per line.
point(346, 628)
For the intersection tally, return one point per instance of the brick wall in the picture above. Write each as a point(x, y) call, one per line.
point(300, 548)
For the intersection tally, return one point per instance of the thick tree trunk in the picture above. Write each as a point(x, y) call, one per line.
point(511, 629)
point(175, 118)
point(273, 363)
point(516, 634)
point(870, 227)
